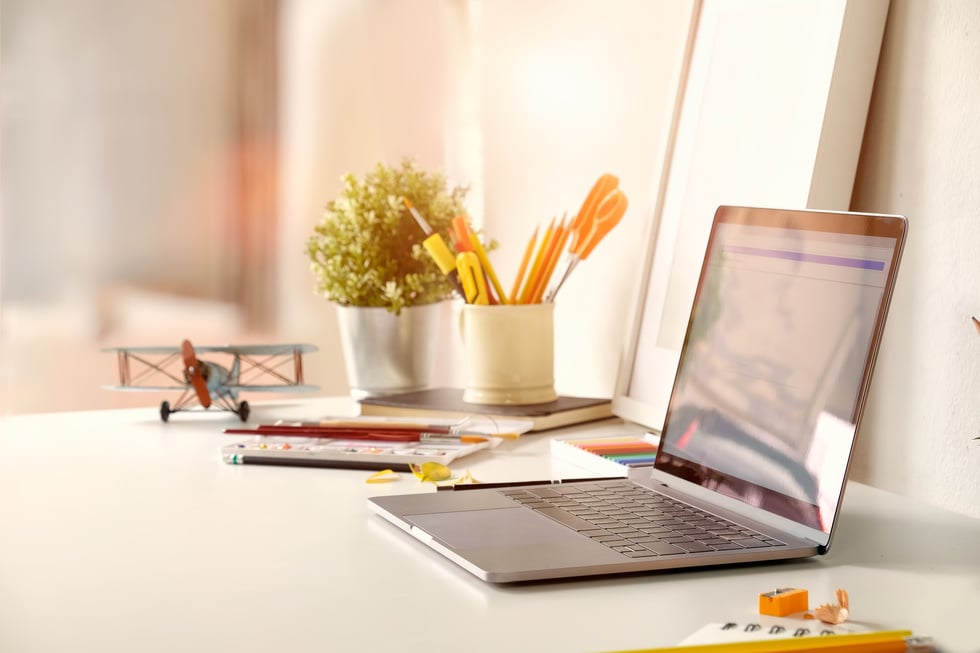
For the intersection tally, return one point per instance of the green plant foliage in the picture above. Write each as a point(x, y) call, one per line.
point(367, 249)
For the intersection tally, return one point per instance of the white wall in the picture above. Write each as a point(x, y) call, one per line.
point(921, 158)
point(550, 95)
point(568, 91)
point(362, 81)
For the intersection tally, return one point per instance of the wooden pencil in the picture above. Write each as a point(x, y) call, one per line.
point(523, 267)
point(532, 276)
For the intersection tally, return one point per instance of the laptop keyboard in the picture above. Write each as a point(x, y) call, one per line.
point(637, 522)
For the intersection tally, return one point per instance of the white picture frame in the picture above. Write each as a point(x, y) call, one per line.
point(771, 113)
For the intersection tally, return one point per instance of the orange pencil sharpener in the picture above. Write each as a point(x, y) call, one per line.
point(783, 601)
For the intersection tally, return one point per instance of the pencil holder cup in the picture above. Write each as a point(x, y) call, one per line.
point(509, 352)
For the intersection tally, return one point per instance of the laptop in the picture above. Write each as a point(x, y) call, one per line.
point(759, 428)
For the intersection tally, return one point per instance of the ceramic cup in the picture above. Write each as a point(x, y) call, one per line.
point(509, 353)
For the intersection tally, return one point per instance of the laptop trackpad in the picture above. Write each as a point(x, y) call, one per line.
point(500, 527)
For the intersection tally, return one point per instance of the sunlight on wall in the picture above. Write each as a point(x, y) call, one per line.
point(569, 91)
point(554, 85)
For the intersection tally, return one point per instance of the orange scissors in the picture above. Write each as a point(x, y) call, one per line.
point(603, 209)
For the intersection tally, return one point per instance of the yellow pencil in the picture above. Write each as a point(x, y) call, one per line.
point(874, 642)
point(561, 236)
point(523, 268)
point(536, 266)
point(556, 235)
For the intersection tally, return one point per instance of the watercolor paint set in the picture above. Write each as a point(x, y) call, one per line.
point(349, 454)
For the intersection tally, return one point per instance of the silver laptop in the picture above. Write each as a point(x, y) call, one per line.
point(758, 432)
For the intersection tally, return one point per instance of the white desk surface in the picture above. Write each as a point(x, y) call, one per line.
point(121, 533)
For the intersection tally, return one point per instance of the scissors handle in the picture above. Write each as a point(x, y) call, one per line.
point(607, 216)
point(604, 185)
point(593, 225)
point(471, 276)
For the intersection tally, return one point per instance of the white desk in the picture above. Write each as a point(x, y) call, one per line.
point(121, 533)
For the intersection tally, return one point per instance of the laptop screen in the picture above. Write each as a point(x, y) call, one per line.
point(778, 356)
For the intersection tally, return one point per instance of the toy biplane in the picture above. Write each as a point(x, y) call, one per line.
point(257, 368)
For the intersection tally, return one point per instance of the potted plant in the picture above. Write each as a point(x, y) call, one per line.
point(367, 257)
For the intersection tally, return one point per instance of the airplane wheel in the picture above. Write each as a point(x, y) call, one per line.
point(243, 411)
point(165, 411)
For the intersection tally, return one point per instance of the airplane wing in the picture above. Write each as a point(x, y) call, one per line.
point(142, 350)
point(251, 350)
point(293, 387)
point(146, 388)
point(260, 350)
point(260, 368)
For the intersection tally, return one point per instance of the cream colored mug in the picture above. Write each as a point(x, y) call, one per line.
point(509, 353)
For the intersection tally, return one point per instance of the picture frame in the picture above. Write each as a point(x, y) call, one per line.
point(771, 112)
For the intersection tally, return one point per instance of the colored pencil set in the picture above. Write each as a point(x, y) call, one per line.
point(625, 451)
point(607, 455)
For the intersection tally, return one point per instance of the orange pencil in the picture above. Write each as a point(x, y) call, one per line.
point(548, 255)
point(461, 235)
point(532, 276)
point(549, 267)
point(554, 249)
point(523, 268)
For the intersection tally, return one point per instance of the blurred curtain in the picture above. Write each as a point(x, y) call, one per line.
point(253, 229)
point(139, 149)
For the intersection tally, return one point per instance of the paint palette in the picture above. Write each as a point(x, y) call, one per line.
point(352, 454)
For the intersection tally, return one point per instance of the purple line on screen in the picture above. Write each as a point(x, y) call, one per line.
point(862, 263)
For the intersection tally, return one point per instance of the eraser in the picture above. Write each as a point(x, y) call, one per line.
point(783, 601)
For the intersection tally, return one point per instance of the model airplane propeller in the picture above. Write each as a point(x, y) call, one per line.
point(194, 374)
point(258, 368)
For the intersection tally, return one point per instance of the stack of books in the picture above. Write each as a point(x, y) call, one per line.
point(448, 403)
